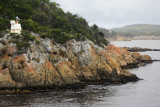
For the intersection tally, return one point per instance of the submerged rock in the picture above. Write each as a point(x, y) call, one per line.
point(71, 65)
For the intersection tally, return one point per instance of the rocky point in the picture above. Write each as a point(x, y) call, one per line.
point(48, 65)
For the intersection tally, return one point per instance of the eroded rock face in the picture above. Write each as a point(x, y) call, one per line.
point(50, 65)
point(142, 58)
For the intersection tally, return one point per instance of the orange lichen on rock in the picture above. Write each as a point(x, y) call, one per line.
point(48, 65)
point(19, 58)
point(119, 50)
point(145, 58)
point(60, 64)
point(5, 56)
point(52, 55)
point(1, 68)
point(6, 71)
point(29, 68)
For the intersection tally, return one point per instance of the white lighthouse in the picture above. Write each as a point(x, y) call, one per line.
point(15, 26)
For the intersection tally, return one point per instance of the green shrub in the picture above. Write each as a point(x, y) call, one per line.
point(15, 36)
point(3, 33)
point(4, 24)
point(26, 36)
point(30, 25)
point(79, 37)
point(62, 37)
point(21, 45)
point(37, 41)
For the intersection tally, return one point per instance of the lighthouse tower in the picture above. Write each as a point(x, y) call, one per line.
point(15, 26)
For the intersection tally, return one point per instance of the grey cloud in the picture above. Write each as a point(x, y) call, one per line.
point(114, 13)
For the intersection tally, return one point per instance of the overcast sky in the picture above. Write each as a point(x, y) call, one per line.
point(114, 13)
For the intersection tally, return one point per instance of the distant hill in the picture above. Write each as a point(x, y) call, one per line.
point(107, 32)
point(139, 30)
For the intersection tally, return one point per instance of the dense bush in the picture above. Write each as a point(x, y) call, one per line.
point(47, 19)
point(26, 36)
point(22, 44)
point(4, 24)
point(3, 32)
point(30, 25)
point(22, 41)
point(98, 36)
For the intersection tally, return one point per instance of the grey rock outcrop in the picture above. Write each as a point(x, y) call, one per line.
point(55, 65)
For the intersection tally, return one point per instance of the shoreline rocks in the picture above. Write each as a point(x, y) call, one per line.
point(138, 49)
point(73, 65)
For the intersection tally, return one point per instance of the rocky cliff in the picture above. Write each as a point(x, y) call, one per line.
point(48, 65)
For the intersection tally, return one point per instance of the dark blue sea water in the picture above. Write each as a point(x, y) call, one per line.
point(144, 93)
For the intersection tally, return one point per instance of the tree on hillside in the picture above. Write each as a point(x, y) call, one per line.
point(49, 20)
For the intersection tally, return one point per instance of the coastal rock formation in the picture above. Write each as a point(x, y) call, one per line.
point(140, 57)
point(138, 49)
point(47, 64)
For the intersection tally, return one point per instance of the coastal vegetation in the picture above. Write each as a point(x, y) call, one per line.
point(49, 21)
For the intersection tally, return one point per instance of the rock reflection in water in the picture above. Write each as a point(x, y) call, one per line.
point(83, 97)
